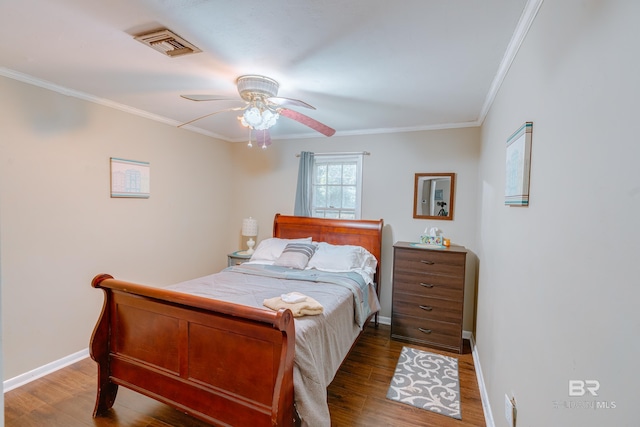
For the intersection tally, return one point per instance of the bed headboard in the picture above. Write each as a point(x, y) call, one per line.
point(365, 233)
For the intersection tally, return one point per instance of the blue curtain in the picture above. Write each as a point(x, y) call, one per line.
point(303, 193)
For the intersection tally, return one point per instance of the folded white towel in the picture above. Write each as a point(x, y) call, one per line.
point(293, 297)
point(307, 307)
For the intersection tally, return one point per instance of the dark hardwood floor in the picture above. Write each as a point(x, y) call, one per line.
point(357, 396)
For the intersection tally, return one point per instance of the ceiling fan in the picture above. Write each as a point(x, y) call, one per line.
point(262, 108)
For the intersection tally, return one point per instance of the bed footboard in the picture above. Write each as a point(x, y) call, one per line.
point(223, 363)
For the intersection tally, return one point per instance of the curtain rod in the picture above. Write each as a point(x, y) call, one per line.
point(346, 153)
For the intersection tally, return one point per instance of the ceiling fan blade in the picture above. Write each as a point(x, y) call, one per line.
point(209, 98)
point(211, 114)
point(288, 101)
point(307, 121)
point(263, 138)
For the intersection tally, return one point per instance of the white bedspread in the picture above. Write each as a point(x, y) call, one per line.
point(322, 341)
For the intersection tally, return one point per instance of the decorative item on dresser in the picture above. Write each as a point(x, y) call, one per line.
point(237, 258)
point(428, 295)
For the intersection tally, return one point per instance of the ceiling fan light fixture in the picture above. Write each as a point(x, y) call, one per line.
point(254, 118)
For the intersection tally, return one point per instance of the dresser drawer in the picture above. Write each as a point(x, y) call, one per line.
point(441, 334)
point(429, 261)
point(428, 285)
point(427, 308)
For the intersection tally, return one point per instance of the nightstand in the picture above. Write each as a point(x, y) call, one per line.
point(237, 258)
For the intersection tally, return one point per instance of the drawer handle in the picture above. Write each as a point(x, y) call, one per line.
point(426, 285)
point(424, 261)
point(426, 307)
point(426, 331)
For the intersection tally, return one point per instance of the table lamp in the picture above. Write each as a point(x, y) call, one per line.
point(250, 230)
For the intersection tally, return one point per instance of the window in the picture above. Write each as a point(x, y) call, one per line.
point(336, 186)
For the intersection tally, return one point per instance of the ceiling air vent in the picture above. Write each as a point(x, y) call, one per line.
point(168, 43)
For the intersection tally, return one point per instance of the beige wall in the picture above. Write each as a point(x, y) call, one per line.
point(558, 288)
point(265, 184)
point(59, 226)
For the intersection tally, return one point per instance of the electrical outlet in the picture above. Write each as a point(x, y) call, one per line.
point(510, 411)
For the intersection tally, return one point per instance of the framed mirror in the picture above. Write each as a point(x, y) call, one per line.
point(433, 196)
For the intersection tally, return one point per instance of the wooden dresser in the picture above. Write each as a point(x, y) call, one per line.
point(428, 295)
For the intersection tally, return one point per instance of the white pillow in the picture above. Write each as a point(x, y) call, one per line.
point(270, 249)
point(341, 258)
point(296, 255)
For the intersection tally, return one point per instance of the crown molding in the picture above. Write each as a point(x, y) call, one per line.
point(522, 29)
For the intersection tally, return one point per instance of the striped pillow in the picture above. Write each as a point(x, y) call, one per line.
point(296, 255)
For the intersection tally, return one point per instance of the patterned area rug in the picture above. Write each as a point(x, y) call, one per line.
point(427, 381)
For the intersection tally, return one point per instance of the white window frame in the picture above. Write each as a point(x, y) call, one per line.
point(338, 158)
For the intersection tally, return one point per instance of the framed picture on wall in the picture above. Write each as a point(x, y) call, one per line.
point(130, 178)
point(518, 165)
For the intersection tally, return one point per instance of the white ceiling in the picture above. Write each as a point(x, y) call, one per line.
point(368, 66)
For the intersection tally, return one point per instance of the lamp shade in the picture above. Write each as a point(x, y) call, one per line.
point(249, 227)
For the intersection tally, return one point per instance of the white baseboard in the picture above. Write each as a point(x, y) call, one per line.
point(27, 377)
point(484, 396)
point(384, 320)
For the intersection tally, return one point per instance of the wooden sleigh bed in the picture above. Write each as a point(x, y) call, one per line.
point(224, 363)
